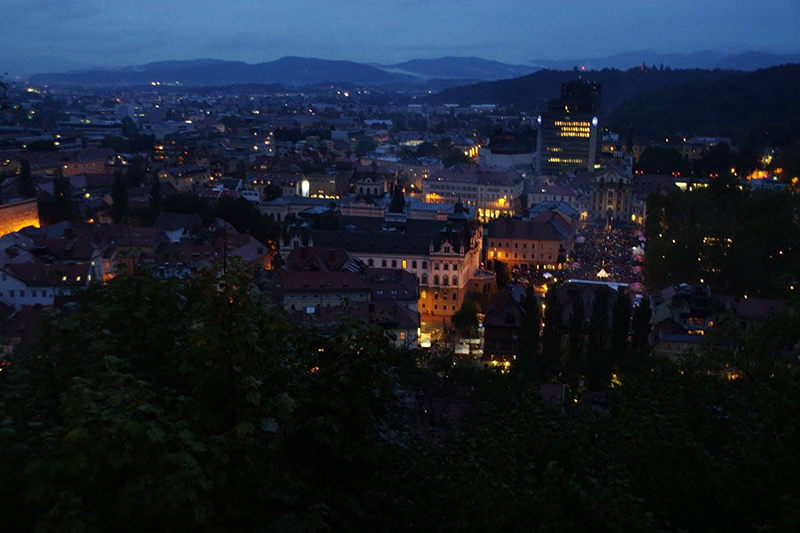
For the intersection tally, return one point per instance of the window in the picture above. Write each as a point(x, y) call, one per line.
point(371, 262)
point(394, 263)
point(405, 263)
point(423, 295)
point(424, 264)
point(22, 294)
point(413, 264)
point(436, 279)
point(11, 293)
point(446, 280)
point(436, 265)
point(424, 279)
point(455, 280)
point(402, 335)
point(34, 293)
point(454, 308)
point(446, 266)
point(383, 263)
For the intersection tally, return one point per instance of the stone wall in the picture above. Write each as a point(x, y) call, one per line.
point(16, 215)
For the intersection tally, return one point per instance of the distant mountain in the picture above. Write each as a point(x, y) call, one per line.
point(532, 92)
point(287, 70)
point(465, 68)
point(704, 59)
point(755, 108)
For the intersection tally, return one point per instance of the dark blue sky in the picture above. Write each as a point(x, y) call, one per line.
point(64, 34)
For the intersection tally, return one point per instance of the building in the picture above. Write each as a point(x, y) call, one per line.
point(493, 192)
point(322, 287)
point(16, 215)
point(442, 255)
point(568, 130)
point(509, 150)
point(37, 283)
point(505, 315)
point(541, 242)
point(612, 198)
point(185, 177)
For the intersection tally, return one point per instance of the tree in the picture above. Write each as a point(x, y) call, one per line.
point(398, 204)
point(598, 322)
point(427, 149)
point(456, 157)
point(62, 196)
point(641, 326)
point(119, 195)
point(550, 360)
point(576, 345)
point(620, 327)
point(365, 146)
point(465, 320)
point(156, 194)
point(26, 186)
point(503, 276)
point(529, 333)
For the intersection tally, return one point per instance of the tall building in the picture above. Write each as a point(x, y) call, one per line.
point(568, 130)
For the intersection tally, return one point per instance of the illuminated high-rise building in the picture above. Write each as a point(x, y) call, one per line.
point(568, 130)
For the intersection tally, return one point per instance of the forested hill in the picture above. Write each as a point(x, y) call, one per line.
point(757, 108)
point(532, 92)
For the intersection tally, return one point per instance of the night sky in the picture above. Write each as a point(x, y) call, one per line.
point(40, 35)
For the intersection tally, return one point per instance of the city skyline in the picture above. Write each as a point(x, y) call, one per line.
point(48, 35)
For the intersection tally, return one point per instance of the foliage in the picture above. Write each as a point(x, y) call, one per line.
point(456, 157)
point(739, 242)
point(465, 320)
point(26, 185)
point(735, 106)
point(163, 405)
point(119, 195)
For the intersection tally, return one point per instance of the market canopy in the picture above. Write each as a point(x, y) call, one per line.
point(602, 273)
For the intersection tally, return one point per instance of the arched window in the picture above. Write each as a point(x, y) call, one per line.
point(455, 280)
point(424, 279)
point(436, 279)
point(446, 280)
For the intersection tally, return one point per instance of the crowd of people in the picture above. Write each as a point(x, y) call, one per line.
point(607, 253)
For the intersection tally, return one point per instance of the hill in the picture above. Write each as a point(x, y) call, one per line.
point(463, 68)
point(704, 59)
point(760, 107)
point(436, 73)
point(287, 70)
point(533, 91)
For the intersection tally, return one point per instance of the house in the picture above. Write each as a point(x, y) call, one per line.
point(37, 283)
point(178, 225)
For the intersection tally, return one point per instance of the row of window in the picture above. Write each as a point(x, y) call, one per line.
point(23, 294)
point(436, 307)
point(500, 244)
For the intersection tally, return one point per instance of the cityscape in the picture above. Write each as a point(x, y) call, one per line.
point(395, 288)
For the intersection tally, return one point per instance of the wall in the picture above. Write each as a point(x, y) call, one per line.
point(17, 215)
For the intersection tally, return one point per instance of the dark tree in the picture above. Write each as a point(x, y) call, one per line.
point(528, 351)
point(503, 275)
point(119, 195)
point(398, 204)
point(465, 320)
point(620, 327)
point(156, 194)
point(598, 327)
point(26, 186)
point(427, 149)
point(550, 360)
point(641, 326)
point(62, 196)
point(456, 157)
point(576, 345)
